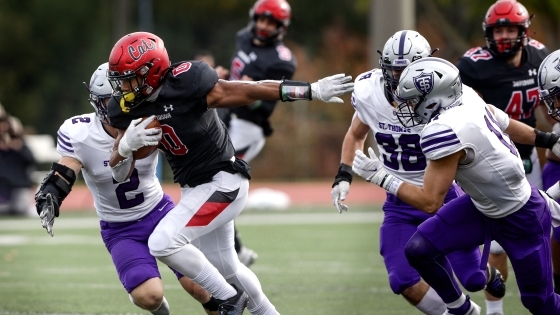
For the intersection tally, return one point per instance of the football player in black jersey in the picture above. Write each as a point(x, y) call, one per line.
point(196, 237)
point(504, 73)
point(260, 54)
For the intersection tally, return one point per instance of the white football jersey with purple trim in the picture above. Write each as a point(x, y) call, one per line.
point(84, 139)
point(494, 176)
point(399, 147)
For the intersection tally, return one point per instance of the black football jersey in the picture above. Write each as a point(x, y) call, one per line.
point(512, 89)
point(270, 62)
point(195, 141)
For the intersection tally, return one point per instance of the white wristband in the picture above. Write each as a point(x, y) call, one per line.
point(554, 191)
point(123, 148)
point(392, 185)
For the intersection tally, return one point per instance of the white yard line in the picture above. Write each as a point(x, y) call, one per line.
point(244, 219)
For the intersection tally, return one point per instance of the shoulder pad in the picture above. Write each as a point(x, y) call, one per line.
point(284, 53)
point(477, 53)
point(536, 44)
point(438, 141)
point(75, 129)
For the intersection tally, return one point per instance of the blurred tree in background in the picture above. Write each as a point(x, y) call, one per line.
point(48, 48)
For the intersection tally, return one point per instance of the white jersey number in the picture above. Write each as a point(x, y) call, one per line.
point(406, 153)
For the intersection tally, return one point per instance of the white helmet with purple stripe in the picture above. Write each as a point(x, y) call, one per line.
point(426, 86)
point(403, 48)
point(549, 83)
point(99, 90)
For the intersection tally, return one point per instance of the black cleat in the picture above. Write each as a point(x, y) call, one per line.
point(496, 285)
point(235, 305)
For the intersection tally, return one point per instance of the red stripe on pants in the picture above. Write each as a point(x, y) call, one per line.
point(208, 212)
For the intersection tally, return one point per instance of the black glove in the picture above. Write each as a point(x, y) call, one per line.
point(48, 209)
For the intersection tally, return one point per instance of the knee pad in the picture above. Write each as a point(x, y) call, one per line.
point(419, 249)
point(476, 282)
point(159, 243)
point(496, 248)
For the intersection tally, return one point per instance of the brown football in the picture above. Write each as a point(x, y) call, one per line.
point(146, 151)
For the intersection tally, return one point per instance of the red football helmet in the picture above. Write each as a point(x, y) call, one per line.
point(505, 13)
point(277, 10)
point(138, 63)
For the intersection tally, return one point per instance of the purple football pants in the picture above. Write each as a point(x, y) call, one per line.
point(524, 235)
point(127, 242)
point(399, 224)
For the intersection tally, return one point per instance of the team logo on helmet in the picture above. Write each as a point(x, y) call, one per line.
point(136, 53)
point(557, 66)
point(424, 82)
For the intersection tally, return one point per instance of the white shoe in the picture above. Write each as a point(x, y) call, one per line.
point(247, 256)
point(474, 310)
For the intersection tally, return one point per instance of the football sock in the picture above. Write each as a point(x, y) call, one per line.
point(191, 262)
point(495, 307)
point(458, 303)
point(431, 303)
point(265, 308)
point(213, 282)
point(163, 308)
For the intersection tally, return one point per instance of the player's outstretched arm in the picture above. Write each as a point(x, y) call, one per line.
point(227, 94)
point(54, 189)
point(524, 134)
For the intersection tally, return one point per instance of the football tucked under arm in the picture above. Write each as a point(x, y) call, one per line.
point(147, 150)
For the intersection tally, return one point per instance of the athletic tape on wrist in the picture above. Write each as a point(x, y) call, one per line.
point(393, 184)
point(123, 148)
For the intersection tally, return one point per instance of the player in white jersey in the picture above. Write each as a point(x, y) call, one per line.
point(402, 156)
point(549, 91)
point(467, 141)
point(128, 211)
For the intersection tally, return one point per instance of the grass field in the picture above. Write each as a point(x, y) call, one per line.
point(311, 261)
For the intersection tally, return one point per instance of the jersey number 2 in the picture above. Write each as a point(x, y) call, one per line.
point(132, 184)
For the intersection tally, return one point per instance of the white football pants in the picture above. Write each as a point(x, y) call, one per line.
point(247, 138)
point(204, 218)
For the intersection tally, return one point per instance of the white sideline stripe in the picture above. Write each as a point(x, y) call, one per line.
point(244, 219)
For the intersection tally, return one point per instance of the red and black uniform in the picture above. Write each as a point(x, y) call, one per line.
point(195, 141)
point(512, 89)
point(273, 61)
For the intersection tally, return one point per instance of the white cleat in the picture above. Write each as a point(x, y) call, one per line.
point(473, 310)
point(247, 256)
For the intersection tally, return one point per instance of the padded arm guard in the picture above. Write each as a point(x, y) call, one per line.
point(345, 173)
point(294, 90)
point(545, 139)
point(58, 183)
